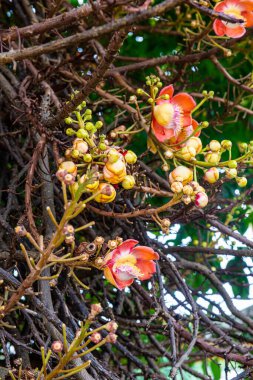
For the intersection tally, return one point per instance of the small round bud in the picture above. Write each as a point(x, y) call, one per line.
point(102, 146)
point(231, 173)
point(70, 132)
point(95, 337)
point(227, 53)
point(89, 126)
point(186, 199)
point(176, 187)
point(99, 240)
point(232, 164)
point(211, 175)
point(99, 124)
point(68, 120)
point(150, 100)
point(128, 182)
point(168, 154)
point(96, 309)
point(201, 200)
point(132, 99)
point(226, 144)
point(112, 244)
point(140, 91)
point(195, 143)
point(241, 181)
point(130, 157)
point(87, 157)
point(188, 152)
point(205, 124)
point(82, 134)
point(165, 167)
point(212, 158)
point(68, 229)
point(111, 338)
point(181, 174)
point(69, 239)
point(204, 92)
point(80, 145)
point(111, 326)
point(243, 147)
point(57, 346)
point(188, 190)
point(214, 145)
point(211, 94)
point(75, 153)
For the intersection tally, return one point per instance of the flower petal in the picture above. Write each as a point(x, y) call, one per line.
point(195, 124)
point(147, 268)
point(127, 246)
point(247, 5)
point(249, 18)
point(145, 253)
point(185, 101)
point(109, 276)
point(219, 27)
point(187, 120)
point(220, 7)
point(160, 132)
point(237, 32)
point(123, 284)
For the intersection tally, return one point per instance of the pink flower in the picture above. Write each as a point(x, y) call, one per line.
point(171, 117)
point(127, 262)
point(201, 199)
point(240, 9)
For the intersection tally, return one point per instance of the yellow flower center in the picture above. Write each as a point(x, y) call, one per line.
point(235, 12)
point(164, 113)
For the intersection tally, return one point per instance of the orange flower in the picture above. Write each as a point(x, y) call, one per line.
point(240, 9)
point(115, 168)
point(127, 262)
point(171, 119)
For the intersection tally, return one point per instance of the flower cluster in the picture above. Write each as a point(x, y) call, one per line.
point(93, 164)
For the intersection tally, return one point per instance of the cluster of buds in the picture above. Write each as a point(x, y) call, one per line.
point(181, 183)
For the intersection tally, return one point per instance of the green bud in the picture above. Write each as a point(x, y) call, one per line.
point(204, 93)
point(89, 126)
point(226, 144)
point(87, 157)
point(232, 164)
point(82, 134)
point(159, 84)
point(140, 91)
point(75, 153)
point(102, 146)
point(68, 120)
point(70, 132)
point(211, 94)
point(88, 112)
point(243, 146)
point(99, 124)
point(148, 83)
point(150, 100)
point(205, 124)
point(241, 181)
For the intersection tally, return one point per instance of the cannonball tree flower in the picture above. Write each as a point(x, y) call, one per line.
point(171, 117)
point(115, 168)
point(239, 9)
point(127, 262)
point(107, 193)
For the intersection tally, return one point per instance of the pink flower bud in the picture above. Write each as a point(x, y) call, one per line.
point(111, 326)
point(57, 346)
point(201, 200)
point(96, 309)
point(95, 337)
point(111, 338)
point(211, 175)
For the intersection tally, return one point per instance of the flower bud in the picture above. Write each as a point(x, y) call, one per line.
point(181, 174)
point(186, 199)
point(111, 338)
point(68, 120)
point(99, 124)
point(70, 132)
point(201, 200)
point(20, 231)
point(102, 146)
point(241, 181)
point(187, 190)
point(89, 126)
point(68, 229)
point(215, 146)
point(95, 337)
point(87, 157)
point(176, 187)
point(108, 193)
point(168, 154)
point(93, 185)
point(243, 147)
point(68, 166)
point(96, 309)
point(75, 153)
point(231, 173)
point(212, 158)
point(211, 175)
point(165, 167)
point(130, 157)
point(82, 134)
point(113, 156)
point(57, 346)
point(69, 239)
point(99, 240)
point(80, 145)
point(226, 144)
point(111, 326)
point(188, 152)
point(195, 143)
point(232, 164)
point(69, 179)
point(128, 182)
